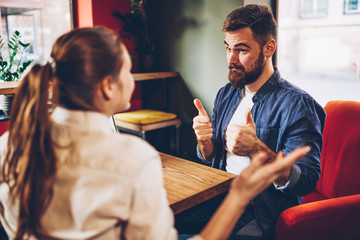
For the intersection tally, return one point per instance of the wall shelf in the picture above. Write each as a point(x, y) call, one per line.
point(10, 87)
point(154, 75)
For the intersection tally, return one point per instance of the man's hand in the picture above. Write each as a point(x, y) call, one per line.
point(203, 131)
point(253, 180)
point(261, 173)
point(201, 123)
point(242, 140)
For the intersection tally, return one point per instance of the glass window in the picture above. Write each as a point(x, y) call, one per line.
point(320, 55)
point(23, 23)
point(38, 21)
point(313, 8)
point(351, 6)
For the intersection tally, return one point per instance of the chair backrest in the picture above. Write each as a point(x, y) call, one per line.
point(340, 156)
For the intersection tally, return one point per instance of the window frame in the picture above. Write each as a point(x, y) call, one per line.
point(350, 11)
point(316, 11)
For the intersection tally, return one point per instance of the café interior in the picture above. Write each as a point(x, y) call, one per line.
point(177, 54)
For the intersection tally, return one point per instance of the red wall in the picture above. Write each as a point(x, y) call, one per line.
point(4, 126)
point(100, 13)
point(103, 16)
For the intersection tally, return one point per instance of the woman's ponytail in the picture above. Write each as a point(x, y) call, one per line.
point(30, 172)
point(82, 58)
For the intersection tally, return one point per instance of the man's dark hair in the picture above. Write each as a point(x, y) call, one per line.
point(259, 18)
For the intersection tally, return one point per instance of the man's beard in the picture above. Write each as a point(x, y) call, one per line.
point(246, 77)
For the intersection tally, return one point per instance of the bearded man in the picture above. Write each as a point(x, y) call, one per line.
point(256, 111)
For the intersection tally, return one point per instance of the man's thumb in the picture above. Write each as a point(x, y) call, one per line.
point(249, 118)
point(200, 107)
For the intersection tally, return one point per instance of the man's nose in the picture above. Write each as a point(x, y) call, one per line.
point(233, 57)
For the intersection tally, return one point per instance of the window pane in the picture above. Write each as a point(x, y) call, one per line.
point(313, 8)
point(352, 6)
point(321, 55)
point(39, 22)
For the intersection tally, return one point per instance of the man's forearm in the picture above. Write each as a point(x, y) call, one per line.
point(206, 149)
point(259, 147)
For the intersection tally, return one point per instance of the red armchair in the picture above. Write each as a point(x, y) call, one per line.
point(332, 211)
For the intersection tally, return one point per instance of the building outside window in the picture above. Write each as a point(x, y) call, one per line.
point(351, 6)
point(39, 22)
point(313, 8)
point(320, 55)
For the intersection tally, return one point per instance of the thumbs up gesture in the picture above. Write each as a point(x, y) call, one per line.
point(242, 140)
point(201, 123)
point(249, 119)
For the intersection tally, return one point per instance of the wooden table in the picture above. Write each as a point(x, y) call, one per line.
point(188, 183)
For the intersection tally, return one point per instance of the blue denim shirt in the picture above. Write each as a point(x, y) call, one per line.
point(286, 117)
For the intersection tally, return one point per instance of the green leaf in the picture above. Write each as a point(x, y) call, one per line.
point(16, 75)
point(24, 66)
point(24, 45)
point(3, 64)
point(10, 45)
point(13, 60)
point(8, 77)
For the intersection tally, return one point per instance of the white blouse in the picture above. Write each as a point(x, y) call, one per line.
point(108, 185)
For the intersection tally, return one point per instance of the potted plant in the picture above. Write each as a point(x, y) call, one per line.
point(136, 28)
point(13, 63)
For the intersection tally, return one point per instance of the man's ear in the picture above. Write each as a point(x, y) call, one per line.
point(269, 48)
point(106, 87)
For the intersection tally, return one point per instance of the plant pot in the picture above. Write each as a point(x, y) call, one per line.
point(6, 101)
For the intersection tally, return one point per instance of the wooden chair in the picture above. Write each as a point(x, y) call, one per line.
point(141, 121)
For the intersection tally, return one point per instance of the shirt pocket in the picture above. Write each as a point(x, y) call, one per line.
point(269, 136)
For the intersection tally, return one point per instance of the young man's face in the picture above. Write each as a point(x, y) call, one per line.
point(245, 57)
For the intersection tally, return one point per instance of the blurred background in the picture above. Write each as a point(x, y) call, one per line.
point(318, 46)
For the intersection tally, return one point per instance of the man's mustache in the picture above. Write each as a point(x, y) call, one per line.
point(233, 66)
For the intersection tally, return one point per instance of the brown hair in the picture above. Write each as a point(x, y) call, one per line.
point(259, 18)
point(81, 59)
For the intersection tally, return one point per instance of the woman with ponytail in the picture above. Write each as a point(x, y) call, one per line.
point(65, 174)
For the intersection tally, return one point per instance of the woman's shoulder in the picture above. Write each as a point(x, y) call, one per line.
point(130, 144)
point(119, 153)
point(137, 147)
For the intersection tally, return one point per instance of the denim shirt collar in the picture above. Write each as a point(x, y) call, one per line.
point(262, 93)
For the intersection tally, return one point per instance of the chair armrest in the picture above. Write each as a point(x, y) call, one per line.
point(336, 218)
point(313, 197)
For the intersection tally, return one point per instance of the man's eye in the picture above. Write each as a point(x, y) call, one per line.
point(240, 50)
point(237, 50)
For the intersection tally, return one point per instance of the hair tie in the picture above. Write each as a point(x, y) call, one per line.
point(52, 63)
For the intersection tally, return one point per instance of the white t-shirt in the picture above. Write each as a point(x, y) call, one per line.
point(236, 164)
